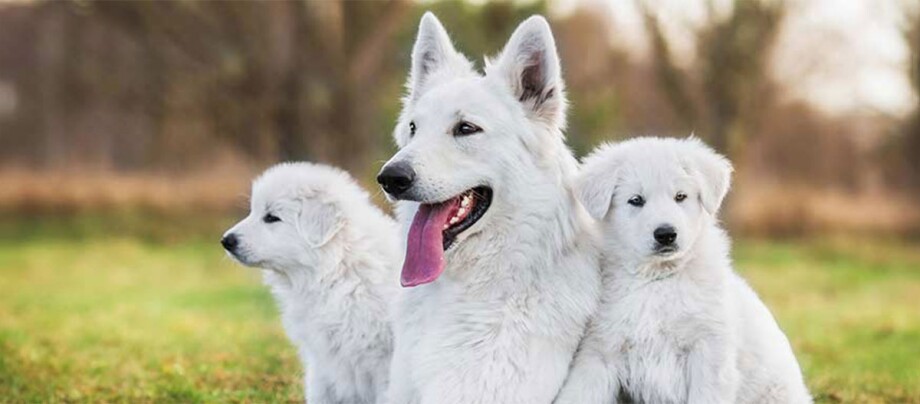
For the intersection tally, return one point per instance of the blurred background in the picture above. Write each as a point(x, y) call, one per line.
point(129, 133)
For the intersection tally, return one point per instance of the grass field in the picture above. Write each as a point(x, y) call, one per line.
point(87, 317)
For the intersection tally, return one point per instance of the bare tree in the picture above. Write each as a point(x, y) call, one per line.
point(909, 143)
point(731, 69)
point(671, 80)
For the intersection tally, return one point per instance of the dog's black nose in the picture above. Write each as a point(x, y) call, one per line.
point(396, 178)
point(665, 235)
point(229, 242)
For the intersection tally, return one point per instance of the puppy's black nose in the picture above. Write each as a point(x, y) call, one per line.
point(229, 242)
point(396, 178)
point(665, 235)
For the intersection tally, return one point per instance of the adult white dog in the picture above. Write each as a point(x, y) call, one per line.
point(500, 255)
point(675, 324)
point(331, 259)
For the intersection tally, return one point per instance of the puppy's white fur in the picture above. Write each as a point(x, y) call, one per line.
point(502, 322)
point(331, 263)
point(678, 327)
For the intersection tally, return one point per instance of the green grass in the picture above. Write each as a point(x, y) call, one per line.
point(851, 310)
point(130, 319)
point(125, 320)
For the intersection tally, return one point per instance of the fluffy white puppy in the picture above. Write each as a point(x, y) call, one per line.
point(675, 324)
point(331, 259)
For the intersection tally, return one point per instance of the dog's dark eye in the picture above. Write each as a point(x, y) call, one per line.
point(637, 201)
point(680, 197)
point(411, 128)
point(270, 218)
point(465, 128)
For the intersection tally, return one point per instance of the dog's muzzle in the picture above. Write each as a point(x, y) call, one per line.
point(665, 239)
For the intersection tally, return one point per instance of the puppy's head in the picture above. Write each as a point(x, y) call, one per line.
point(296, 210)
point(654, 195)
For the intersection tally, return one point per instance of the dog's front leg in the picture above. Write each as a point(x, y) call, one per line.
point(401, 389)
point(713, 374)
point(590, 380)
point(317, 389)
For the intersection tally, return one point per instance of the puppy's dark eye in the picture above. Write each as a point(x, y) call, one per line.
point(465, 128)
point(637, 201)
point(680, 197)
point(411, 128)
point(270, 218)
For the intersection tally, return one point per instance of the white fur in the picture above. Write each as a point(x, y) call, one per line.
point(331, 263)
point(502, 322)
point(683, 327)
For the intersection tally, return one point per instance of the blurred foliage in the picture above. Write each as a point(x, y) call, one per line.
point(139, 85)
point(175, 89)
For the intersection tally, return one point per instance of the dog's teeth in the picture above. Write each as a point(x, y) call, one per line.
point(465, 202)
point(454, 220)
point(461, 212)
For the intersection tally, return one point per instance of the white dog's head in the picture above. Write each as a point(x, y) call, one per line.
point(654, 195)
point(296, 210)
point(472, 145)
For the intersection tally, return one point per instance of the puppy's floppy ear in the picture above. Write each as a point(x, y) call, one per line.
point(433, 53)
point(714, 172)
point(530, 66)
point(319, 220)
point(597, 180)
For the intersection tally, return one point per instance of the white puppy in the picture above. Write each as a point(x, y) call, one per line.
point(331, 259)
point(675, 324)
point(501, 258)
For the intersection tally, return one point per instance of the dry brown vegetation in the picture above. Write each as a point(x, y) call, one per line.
point(754, 209)
point(59, 192)
point(779, 211)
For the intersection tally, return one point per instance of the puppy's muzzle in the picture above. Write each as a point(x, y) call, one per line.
point(230, 242)
point(665, 237)
point(396, 178)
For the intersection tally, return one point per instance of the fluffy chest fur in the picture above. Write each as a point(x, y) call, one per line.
point(653, 324)
point(340, 327)
point(502, 323)
point(507, 342)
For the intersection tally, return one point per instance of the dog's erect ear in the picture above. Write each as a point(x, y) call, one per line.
point(530, 66)
point(319, 221)
point(714, 172)
point(432, 54)
point(596, 182)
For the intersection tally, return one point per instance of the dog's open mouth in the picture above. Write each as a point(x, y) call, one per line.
point(665, 250)
point(471, 205)
point(435, 229)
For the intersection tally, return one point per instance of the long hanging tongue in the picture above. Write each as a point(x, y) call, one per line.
point(425, 246)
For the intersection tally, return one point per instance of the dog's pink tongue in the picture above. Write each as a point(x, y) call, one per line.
point(425, 246)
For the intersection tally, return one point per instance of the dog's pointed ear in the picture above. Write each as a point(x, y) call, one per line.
point(433, 53)
point(319, 220)
point(529, 64)
point(714, 172)
point(596, 183)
